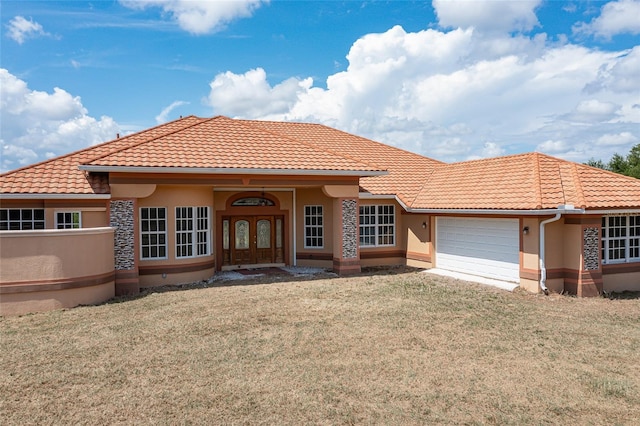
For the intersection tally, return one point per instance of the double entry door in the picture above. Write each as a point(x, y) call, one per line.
point(250, 240)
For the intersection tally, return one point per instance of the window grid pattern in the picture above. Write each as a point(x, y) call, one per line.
point(620, 239)
point(313, 227)
point(377, 226)
point(67, 220)
point(153, 232)
point(192, 231)
point(21, 219)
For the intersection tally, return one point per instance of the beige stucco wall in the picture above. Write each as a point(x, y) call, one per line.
point(41, 301)
point(170, 197)
point(621, 282)
point(531, 244)
point(387, 255)
point(46, 259)
point(32, 256)
point(176, 278)
point(315, 197)
point(418, 239)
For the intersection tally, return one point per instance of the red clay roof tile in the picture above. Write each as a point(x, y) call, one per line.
point(519, 182)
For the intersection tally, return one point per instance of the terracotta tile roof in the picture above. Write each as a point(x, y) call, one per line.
point(407, 170)
point(60, 175)
point(520, 182)
point(224, 143)
point(526, 182)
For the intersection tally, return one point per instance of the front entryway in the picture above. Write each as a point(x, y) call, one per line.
point(253, 240)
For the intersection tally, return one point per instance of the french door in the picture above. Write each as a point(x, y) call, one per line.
point(250, 240)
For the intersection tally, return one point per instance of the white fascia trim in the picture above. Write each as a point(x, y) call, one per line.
point(55, 196)
point(230, 171)
point(499, 212)
point(252, 189)
point(614, 212)
point(564, 209)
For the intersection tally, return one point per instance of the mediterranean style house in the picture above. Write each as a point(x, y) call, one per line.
point(178, 202)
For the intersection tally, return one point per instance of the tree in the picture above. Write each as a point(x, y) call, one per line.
point(629, 165)
point(633, 161)
point(596, 163)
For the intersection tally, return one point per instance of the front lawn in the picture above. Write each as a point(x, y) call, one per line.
point(384, 348)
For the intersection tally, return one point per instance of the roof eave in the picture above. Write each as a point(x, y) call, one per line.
point(230, 171)
point(50, 196)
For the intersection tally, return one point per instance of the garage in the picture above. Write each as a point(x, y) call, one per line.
point(479, 246)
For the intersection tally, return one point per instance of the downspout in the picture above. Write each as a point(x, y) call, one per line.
point(543, 268)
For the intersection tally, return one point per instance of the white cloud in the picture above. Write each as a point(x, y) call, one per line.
point(164, 114)
point(251, 95)
point(552, 147)
point(616, 17)
point(37, 125)
point(446, 93)
point(624, 138)
point(488, 15)
point(593, 111)
point(200, 16)
point(21, 29)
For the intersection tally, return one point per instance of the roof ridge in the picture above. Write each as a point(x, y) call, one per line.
point(425, 182)
point(347, 133)
point(316, 147)
point(578, 185)
point(537, 180)
point(149, 140)
point(88, 148)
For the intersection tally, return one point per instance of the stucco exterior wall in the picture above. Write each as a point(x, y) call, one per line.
point(55, 269)
point(620, 282)
point(170, 271)
point(311, 256)
point(418, 240)
point(392, 254)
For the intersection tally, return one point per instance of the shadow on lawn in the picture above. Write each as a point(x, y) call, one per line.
point(261, 276)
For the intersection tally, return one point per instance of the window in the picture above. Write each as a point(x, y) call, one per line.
point(67, 220)
point(313, 227)
point(620, 239)
point(377, 226)
point(253, 202)
point(192, 231)
point(153, 232)
point(21, 219)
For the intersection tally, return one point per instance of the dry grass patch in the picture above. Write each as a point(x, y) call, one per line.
point(377, 348)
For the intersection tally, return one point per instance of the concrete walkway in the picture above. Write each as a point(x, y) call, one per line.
point(504, 285)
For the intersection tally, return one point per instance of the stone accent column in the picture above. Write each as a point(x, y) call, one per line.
point(346, 253)
point(590, 278)
point(122, 217)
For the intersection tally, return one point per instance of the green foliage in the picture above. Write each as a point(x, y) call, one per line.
point(628, 166)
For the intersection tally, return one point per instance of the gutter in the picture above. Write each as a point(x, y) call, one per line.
point(229, 171)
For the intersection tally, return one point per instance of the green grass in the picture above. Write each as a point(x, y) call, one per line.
point(382, 348)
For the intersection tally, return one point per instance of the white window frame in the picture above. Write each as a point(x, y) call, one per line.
point(314, 226)
point(620, 239)
point(24, 221)
point(193, 232)
point(68, 215)
point(158, 233)
point(377, 225)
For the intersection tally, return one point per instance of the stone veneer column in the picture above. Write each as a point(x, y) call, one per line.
point(590, 278)
point(122, 217)
point(346, 255)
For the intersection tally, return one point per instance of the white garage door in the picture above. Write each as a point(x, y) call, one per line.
point(484, 247)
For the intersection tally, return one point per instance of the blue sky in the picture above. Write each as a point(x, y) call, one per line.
point(452, 80)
